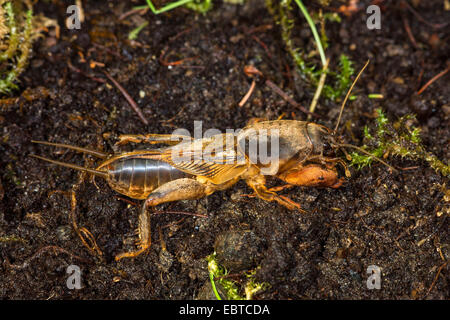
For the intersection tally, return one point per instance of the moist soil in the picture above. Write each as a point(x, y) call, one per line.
point(185, 67)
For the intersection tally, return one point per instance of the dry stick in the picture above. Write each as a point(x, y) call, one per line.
point(130, 100)
point(131, 12)
point(251, 71)
point(73, 68)
point(418, 16)
point(261, 28)
point(282, 94)
point(432, 80)
point(108, 50)
point(175, 63)
point(172, 63)
point(93, 248)
point(419, 78)
point(408, 31)
point(436, 277)
point(262, 44)
point(323, 76)
point(248, 94)
point(179, 34)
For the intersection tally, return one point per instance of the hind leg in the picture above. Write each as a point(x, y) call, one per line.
point(144, 233)
point(180, 189)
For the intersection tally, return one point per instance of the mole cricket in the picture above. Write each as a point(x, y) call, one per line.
point(194, 168)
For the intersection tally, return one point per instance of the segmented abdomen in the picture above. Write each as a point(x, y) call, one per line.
point(137, 177)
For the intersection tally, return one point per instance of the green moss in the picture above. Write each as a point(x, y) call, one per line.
point(200, 6)
point(231, 288)
point(283, 13)
point(16, 37)
point(341, 79)
point(217, 273)
point(252, 287)
point(400, 138)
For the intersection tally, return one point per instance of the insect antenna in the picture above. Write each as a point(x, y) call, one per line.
point(346, 145)
point(94, 153)
point(348, 95)
point(73, 166)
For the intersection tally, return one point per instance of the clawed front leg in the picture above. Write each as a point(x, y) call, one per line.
point(180, 189)
point(258, 185)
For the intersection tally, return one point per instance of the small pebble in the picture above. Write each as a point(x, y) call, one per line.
point(238, 250)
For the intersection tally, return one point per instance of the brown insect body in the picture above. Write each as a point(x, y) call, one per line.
point(136, 176)
point(194, 168)
point(306, 155)
point(177, 173)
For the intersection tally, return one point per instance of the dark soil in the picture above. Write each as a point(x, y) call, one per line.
point(396, 221)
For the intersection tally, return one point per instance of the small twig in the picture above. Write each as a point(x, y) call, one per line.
point(409, 168)
point(73, 68)
point(130, 100)
point(172, 63)
point(105, 48)
point(291, 101)
point(432, 80)
point(252, 71)
point(261, 28)
point(93, 248)
point(323, 76)
point(408, 31)
point(175, 63)
point(179, 34)
point(262, 45)
point(436, 277)
point(419, 78)
point(433, 25)
point(168, 122)
point(248, 94)
point(131, 12)
point(161, 240)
